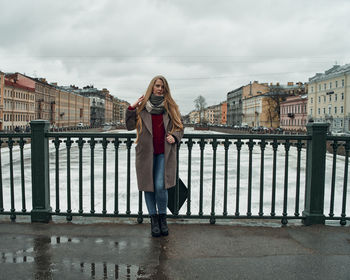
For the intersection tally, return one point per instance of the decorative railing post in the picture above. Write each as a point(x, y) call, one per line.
point(315, 174)
point(40, 172)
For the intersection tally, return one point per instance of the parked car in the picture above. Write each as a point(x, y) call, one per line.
point(80, 125)
point(18, 129)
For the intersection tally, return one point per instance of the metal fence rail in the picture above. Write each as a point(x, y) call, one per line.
point(12, 142)
point(233, 188)
point(337, 143)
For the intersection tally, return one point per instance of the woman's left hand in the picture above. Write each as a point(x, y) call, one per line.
point(170, 139)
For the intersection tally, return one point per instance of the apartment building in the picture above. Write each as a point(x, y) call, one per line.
point(2, 88)
point(108, 105)
point(212, 114)
point(328, 101)
point(234, 107)
point(97, 103)
point(71, 109)
point(294, 113)
point(119, 110)
point(261, 102)
point(61, 107)
point(223, 113)
point(252, 103)
point(193, 117)
point(17, 107)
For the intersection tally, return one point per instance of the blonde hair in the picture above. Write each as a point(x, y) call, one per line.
point(169, 105)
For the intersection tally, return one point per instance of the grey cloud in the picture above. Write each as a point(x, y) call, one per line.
point(203, 47)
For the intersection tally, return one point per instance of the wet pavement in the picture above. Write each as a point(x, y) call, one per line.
point(191, 251)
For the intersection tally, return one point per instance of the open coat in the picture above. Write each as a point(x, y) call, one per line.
point(144, 150)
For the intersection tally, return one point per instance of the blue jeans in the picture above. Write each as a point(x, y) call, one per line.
point(158, 198)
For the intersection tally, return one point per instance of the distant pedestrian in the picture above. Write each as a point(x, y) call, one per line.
point(158, 124)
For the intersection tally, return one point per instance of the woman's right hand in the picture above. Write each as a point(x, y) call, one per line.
point(137, 103)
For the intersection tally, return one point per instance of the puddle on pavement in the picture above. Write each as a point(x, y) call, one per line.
point(40, 256)
point(109, 270)
point(16, 257)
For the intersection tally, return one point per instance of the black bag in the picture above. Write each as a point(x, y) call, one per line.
point(183, 192)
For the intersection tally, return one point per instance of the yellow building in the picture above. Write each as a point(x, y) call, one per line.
point(212, 114)
point(194, 117)
point(252, 104)
point(71, 109)
point(327, 98)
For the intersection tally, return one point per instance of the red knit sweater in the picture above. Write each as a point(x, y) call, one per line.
point(158, 132)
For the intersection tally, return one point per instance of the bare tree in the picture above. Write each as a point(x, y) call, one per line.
point(273, 110)
point(275, 96)
point(200, 104)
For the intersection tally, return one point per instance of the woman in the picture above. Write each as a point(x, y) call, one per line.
point(158, 124)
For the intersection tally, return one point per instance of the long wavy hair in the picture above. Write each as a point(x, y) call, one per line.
point(169, 105)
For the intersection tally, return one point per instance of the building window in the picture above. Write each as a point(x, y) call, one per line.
point(335, 110)
point(341, 109)
point(335, 97)
point(324, 86)
point(312, 89)
point(324, 110)
point(319, 99)
point(336, 84)
point(319, 111)
point(342, 96)
point(342, 83)
point(341, 123)
point(311, 111)
point(329, 109)
point(312, 100)
point(330, 97)
point(330, 84)
point(319, 87)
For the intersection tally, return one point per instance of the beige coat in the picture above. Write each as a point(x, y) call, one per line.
point(144, 151)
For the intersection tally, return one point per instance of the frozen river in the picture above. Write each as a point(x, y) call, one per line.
point(207, 178)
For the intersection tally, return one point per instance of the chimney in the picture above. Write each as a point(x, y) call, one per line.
point(54, 84)
point(277, 84)
point(290, 83)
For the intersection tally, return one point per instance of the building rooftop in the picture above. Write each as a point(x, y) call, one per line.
point(335, 71)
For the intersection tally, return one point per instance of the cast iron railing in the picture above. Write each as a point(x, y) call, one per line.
point(237, 180)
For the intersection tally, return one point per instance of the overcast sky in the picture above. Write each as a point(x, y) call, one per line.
point(206, 47)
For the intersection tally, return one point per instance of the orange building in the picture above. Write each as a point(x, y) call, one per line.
point(224, 113)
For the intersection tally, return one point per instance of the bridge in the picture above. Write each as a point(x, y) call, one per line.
point(207, 239)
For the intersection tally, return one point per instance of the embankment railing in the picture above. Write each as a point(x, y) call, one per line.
point(228, 176)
